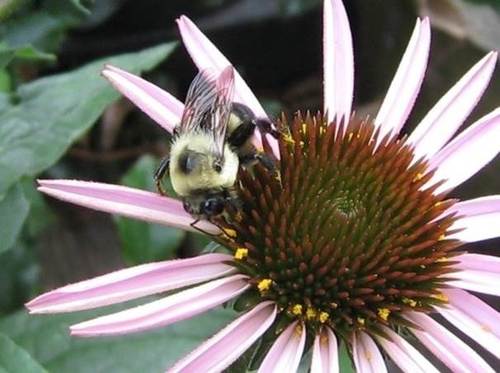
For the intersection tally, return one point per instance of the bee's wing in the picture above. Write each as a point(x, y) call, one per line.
point(219, 118)
point(208, 106)
point(199, 102)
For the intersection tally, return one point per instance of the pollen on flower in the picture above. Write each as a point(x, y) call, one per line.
point(409, 302)
point(231, 233)
point(297, 309)
point(361, 321)
point(442, 297)
point(264, 285)
point(323, 317)
point(311, 313)
point(240, 253)
point(384, 313)
point(442, 237)
point(418, 177)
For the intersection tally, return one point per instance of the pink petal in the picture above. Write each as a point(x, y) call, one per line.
point(131, 283)
point(478, 272)
point(467, 153)
point(447, 347)
point(161, 106)
point(480, 221)
point(406, 83)
point(169, 310)
point(206, 55)
point(325, 357)
point(407, 357)
point(366, 355)
point(444, 119)
point(286, 352)
point(117, 199)
point(473, 317)
point(338, 61)
point(226, 346)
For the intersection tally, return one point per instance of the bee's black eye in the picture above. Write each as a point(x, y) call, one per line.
point(217, 166)
point(213, 206)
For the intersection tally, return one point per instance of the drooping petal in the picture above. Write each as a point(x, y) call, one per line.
point(406, 83)
point(206, 55)
point(407, 357)
point(160, 105)
point(169, 310)
point(478, 272)
point(467, 153)
point(444, 119)
point(473, 317)
point(131, 283)
point(285, 353)
point(338, 61)
point(480, 221)
point(366, 355)
point(226, 346)
point(325, 357)
point(447, 347)
point(117, 199)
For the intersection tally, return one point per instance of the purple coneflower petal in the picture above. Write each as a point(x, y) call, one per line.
point(447, 347)
point(226, 346)
point(206, 55)
point(176, 307)
point(286, 352)
point(325, 356)
point(444, 119)
point(131, 283)
point(480, 221)
point(470, 151)
point(478, 272)
point(473, 317)
point(407, 357)
point(338, 61)
point(117, 199)
point(160, 105)
point(366, 355)
point(406, 83)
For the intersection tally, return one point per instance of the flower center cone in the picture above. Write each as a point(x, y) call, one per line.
point(346, 231)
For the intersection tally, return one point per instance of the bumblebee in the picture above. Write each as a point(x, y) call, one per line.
point(209, 144)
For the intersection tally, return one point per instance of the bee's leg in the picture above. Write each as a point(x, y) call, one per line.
point(266, 126)
point(159, 173)
point(241, 134)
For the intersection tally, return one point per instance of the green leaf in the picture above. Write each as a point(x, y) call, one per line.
point(345, 359)
point(47, 339)
point(14, 359)
point(22, 53)
point(144, 242)
point(53, 112)
point(13, 211)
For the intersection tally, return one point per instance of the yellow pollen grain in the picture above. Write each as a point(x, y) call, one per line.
point(311, 313)
point(441, 260)
point(322, 130)
point(334, 305)
point(240, 253)
point(442, 237)
point(384, 313)
point(264, 285)
point(440, 297)
point(437, 204)
point(288, 138)
point(410, 302)
point(304, 128)
point(323, 317)
point(297, 309)
point(231, 233)
point(418, 177)
point(349, 138)
point(361, 320)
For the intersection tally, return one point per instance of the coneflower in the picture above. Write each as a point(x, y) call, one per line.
point(354, 238)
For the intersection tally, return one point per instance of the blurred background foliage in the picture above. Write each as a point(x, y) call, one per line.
point(60, 119)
